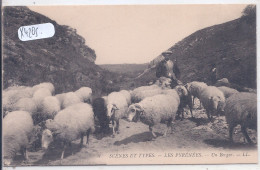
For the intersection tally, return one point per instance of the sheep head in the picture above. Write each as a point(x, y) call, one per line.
point(181, 90)
point(7, 161)
point(134, 112)
point(47, 138)
point(111, 108)
point(165, 82)
point(188, 86)
point(52, 130)
point(217, 104)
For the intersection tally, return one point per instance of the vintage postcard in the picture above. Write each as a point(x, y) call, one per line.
point(129, 84)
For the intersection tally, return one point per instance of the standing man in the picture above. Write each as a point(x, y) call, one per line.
point(169, 69)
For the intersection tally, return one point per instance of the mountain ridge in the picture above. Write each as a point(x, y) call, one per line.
point(231, 46)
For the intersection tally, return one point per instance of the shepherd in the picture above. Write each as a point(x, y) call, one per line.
point(169, 69)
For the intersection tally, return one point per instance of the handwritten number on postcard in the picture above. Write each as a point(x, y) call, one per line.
point(34, 32)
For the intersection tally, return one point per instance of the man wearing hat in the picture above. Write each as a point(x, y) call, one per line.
point(169, 69)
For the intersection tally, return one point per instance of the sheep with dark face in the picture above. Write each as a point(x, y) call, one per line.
point(68, 125)
point(100, 112)
point(213, 101)
point(185, 100)
point(241, 108)
point(156, 109)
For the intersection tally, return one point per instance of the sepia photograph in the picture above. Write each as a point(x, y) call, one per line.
point(129, 85)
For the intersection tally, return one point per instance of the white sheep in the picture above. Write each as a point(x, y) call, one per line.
point(60, 97)
point(85, 94)
point(195, 88)
point(50, 107)
point(46, 85)
point(222, 82)
point(116, 109)
point(17, 129)
point(127, 96)
point(70, 98)
point(241, 108)
point(164, 82)
point(12, 94)
point(227, 91)
point(141, 88)
point(68, 125)
point(26, 104)
point(155, 109)
point(138, 95)
point(39, 95)
point(213, 101)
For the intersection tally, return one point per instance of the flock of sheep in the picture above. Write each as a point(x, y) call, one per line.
point(70, 116)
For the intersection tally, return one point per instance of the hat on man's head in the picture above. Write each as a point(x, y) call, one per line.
point(168, 52)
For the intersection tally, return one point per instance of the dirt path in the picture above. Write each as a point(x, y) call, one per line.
point(189, 134)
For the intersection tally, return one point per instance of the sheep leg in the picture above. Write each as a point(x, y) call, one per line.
point(113, 126)
point(243, 129)
point(209, 115)
point(26, 154)
point(81, 139)
point(165, 133)
point(88, 132)
point(151, 130)
point(231, 133)
point(172, 128)
point(62, 154)
point(191, 112)
point(169, 123)
point(117, 126)
point(180, 113)
point(71, 149)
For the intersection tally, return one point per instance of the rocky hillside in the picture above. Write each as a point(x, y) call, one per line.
point(63, 59)
point(231, 46)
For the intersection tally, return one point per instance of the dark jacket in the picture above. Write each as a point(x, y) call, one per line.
point(161, 70)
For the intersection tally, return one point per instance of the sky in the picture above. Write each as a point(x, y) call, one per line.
point(137, 33)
